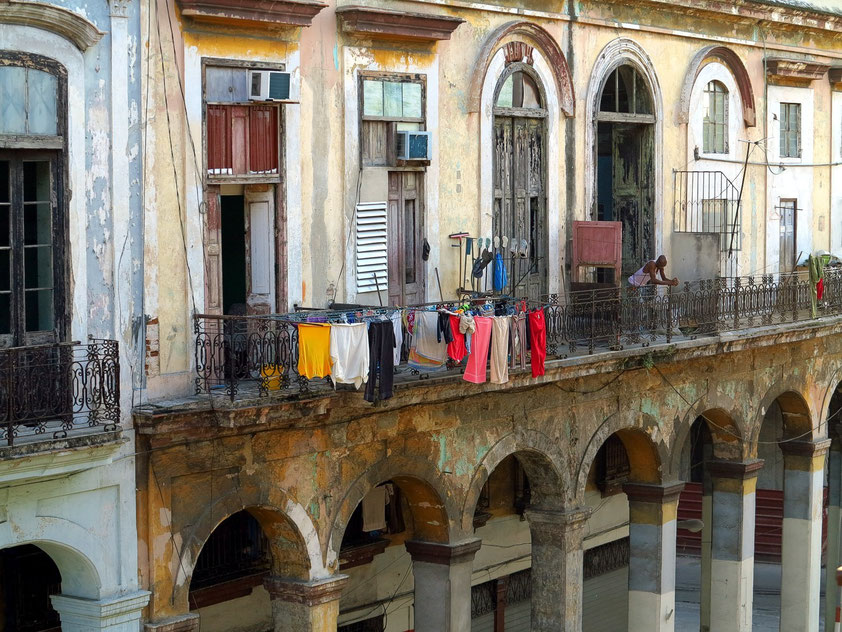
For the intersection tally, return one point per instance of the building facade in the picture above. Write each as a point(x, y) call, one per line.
point(70, 313)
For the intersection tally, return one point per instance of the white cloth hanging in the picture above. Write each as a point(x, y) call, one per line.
point(374, 510)
point(398, 327)
point(349, 353)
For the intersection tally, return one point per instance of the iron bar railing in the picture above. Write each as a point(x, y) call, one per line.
point(57, 389)
point(232, 352)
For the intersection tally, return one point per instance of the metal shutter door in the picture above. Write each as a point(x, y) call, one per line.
point(605, 602)
point(519, 616)
point(485, 623)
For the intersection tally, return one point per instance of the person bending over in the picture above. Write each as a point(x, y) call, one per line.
point(650, 272)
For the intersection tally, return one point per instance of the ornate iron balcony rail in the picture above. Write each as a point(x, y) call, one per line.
point(232, 352)
point(58, 390)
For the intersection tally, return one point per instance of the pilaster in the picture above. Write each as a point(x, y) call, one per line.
point(305, 606)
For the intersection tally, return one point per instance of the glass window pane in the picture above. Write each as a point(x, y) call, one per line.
point(38, 267)
point(5, 314)
point(412, 100)
point(531, 96)
point(36, 181)
point(642, 99)
point(37, 224)
point(608, 103)
point(5, 227)
point(392, 99)
point(12, 100)
point(43, 98)
point(372, 98)
point(504, 99)
point(39, 310)
point(5, 270)
point(5, 191)
point(625, 86)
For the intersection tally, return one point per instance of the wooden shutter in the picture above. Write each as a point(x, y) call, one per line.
point(213, 252)
point(263, 139)
point(371, 247)
point(219, 140)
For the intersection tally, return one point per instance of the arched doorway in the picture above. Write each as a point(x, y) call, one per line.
point(520, 197)
point(625, 162)
point(28, 577)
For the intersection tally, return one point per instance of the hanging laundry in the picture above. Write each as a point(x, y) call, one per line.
point(478, 360)
point(374, 509)
point(467, 327)
point(397, 325)
point(517, 340)
point(426, 340)
point(349, 355)
point(499, 350)
point(313, 350)
point(501, 276)
point(538, 341)
point(443, 332)
point(456, 349)
point(381, 359)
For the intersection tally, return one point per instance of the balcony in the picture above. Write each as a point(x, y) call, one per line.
point(57, 397)
point(253, 359)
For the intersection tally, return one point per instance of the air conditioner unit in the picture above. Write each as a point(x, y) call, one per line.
point(269, 85)
point(413, 146)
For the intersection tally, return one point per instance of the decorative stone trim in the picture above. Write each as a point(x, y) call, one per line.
point(119, 8)
point(49, 17)
point(445, 554)
point(835, 77)
point(799, 72)
point(402, 25)
point(283, 12)
point(570, 517)
point(104, 614)
point(307, 593)
point(740, 470)
point(518, 51)
point(733, 62)
point(647, 493)
point(184, 623)
point(805, 448)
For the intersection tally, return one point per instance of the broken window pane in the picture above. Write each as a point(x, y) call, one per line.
point(12, 100)
point(625, 88)
point(531, 95)
point(42, 91)
point(504, 99)
point(412, 100)
point(372, 98)
point(392, 99)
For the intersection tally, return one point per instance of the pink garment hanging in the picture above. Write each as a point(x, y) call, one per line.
point(478, 360)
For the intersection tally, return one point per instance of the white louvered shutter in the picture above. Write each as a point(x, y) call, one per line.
point(372, 248)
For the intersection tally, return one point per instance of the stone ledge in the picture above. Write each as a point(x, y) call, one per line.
point(656, 494)
point(805, 448)
point(270, 12)
point(740, 470)
point(445, 554)
point(401, 25)
point(307, 593)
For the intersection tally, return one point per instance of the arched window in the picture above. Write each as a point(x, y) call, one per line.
point(32, 231)
point(625, 92)
point(715, 126)
point(519, 91)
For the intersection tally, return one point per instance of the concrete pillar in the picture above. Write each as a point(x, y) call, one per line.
point(114, 614)
point(557, 568)
point(834, 529)
point(652, 530)
point(704, 593)
point(442, 574)
point(802, 534)
point(305, 606)
point(732, 543)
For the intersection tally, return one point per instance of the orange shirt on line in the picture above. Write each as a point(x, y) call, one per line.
point(314, 350)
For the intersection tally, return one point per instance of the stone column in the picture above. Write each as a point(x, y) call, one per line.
point(442, 574)
point(305, 606)
point(704, 592)
point(834, 530)
point(732, 543)
point(114, 614)
point(802, 534)
point(652, 530)
point(557, 568)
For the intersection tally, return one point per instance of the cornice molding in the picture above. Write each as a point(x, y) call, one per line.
point(265, 12)
point(799, 72)
point(49, 17)
point(400, 25)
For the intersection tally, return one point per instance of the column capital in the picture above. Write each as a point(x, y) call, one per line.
point(435, 553)
point(805, 448)
point(310, 593)
point(653, 493)
point(111, 613)
point(184, 623)
point(559, 517)
point(740, 470)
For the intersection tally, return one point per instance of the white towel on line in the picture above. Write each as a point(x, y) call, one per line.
point(349, 353)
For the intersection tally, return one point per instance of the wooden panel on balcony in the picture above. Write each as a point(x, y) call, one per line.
point(267, 12)
point(400, 25)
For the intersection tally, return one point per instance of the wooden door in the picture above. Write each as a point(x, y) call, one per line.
point(632, 171)
point(405, 224)
point(520, 203)
point(787, 232)
point(260, 252)
point(213, 252)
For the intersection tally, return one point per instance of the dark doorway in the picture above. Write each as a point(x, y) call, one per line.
point(233, 231)
point(29, 577)
point(625, 187)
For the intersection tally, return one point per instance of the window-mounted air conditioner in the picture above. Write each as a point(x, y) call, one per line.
point(413, 146)
point(269, 85)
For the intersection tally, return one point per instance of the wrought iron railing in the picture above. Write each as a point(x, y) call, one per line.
point(53, 391)
point(232, 352)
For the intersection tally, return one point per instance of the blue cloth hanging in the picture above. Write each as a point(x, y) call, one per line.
point(501, 276)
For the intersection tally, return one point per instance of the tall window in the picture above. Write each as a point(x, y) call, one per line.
point(31, 202)
point(389, 103)
point(790, 130)
point(715, 127)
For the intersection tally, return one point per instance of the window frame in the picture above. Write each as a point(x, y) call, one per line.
point(392, 77)
point(785, 133)
point(511, 69)
point(27, 147)
point(719, 89)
